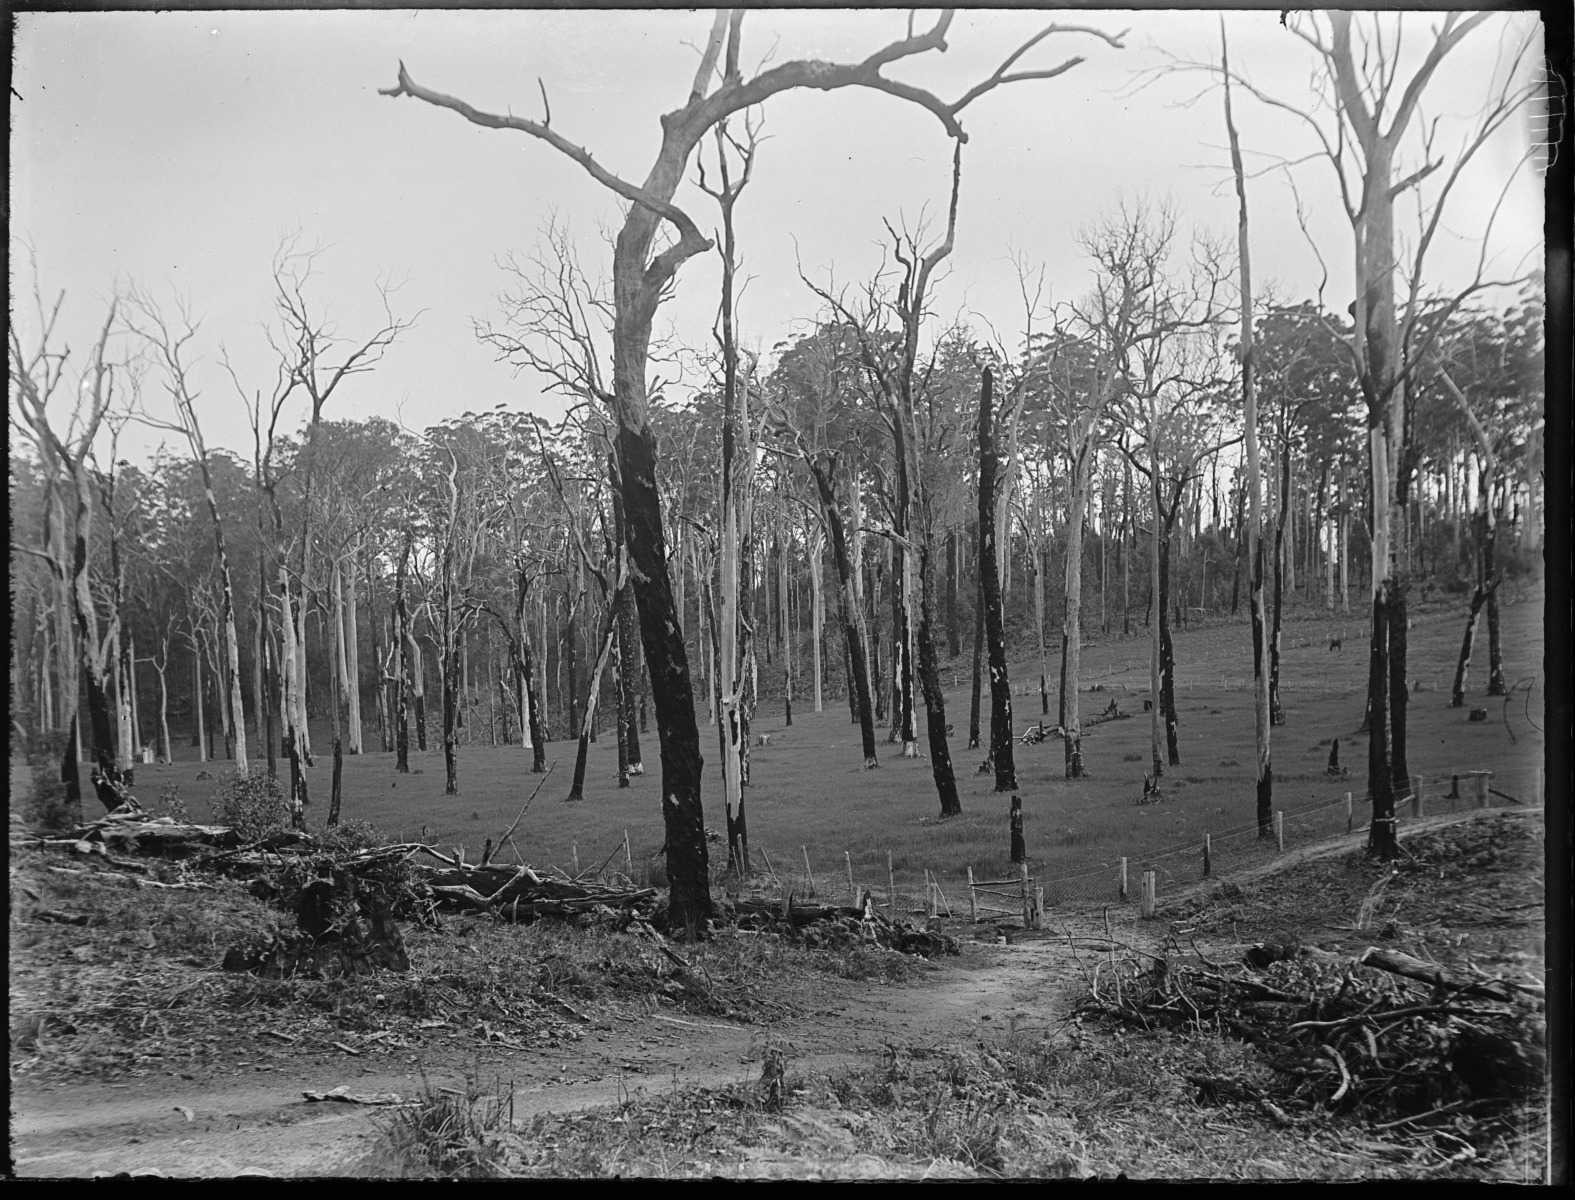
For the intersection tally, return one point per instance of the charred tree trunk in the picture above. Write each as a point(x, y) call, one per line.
point(1276, 712)
point(1496, 684)
point(400, 651)
point(934, 698)
point(853, 620)
point(953, 622)
point(628, 665)
point(978, 661)
point(334, 798)
point(990, 586)
point(1457, 697)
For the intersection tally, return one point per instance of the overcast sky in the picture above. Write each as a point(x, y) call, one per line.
point(175, 149)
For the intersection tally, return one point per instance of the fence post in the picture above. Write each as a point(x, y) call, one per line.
point(1148, 900)
point(1279, 829)
point(929, 896)
point(1036, 914)
point(807, 871)
point(1454, 788)
point(1208, 865)
point(1023, 889)
point(973, 900)
point(1123, 879)
point(1349, 819)
point(1481, 780)
point(852, 891)
point(1418, 806)
point(628, 858)
point(891, 888)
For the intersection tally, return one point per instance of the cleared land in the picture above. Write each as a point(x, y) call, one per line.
point(581, 1051)
point(809, 791)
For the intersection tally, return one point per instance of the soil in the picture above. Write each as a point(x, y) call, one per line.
point(228, 1120)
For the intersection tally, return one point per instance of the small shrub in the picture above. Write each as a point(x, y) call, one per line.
point(252, 805)
point(47, 808)
point(171, 805)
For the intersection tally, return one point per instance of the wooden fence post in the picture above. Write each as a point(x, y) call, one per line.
point(1123, 879)
point(929, 896)
point(1023, 890)
point(1039, 908)
point(852, 891)
point(1349, 816)
point(628, 858)
point(973, 900)
point(891, 888)
point(1208, 865)
point(1279, 829)
point(1418, 805)
point(1481, 780)
point(1148, 901)
point(807, 871)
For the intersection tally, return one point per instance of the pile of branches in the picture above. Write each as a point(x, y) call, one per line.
point(1382, 1034)
point(834, 926)
point(520, 893)
point(131, 830)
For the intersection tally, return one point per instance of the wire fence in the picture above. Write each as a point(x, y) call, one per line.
point(1034, 889)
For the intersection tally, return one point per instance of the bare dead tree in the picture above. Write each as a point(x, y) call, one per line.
point(641, 276)
point(36, 375)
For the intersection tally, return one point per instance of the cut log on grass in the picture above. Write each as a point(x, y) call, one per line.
point(1415, 968)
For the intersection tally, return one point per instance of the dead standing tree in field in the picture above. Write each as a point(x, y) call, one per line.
point(168, 343)
point(640, 279)
point(1373, 105)
point(34, 379)
point(990, 591)
point(1262, 725)
point(891, 369)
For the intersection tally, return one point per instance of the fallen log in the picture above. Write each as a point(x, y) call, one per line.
point(1397, 963)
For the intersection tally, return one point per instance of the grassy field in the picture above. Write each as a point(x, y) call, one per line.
point(809, 791)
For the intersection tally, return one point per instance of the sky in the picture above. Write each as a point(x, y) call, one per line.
point(176, 150)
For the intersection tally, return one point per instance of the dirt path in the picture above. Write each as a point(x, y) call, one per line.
point(239, 1125)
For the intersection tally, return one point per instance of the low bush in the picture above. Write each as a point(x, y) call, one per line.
point(47, 807)
point(253, 805)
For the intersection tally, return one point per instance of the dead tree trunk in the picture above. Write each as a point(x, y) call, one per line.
point(990, 588)
point(953, 623)
point(852, 618)
point(978, 661)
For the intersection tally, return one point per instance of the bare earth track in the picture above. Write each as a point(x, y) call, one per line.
point(225, 1121)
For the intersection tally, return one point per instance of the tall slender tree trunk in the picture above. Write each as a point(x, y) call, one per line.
point(978, 661)
point(1072, 621)
point(953, 623)
point(1262, 722)
point(198, 706)
point(852, 616)
point(1491, 506)
point(1276, 712)
point(352, 657)
point(817, 610)
point(990, 585)
point(929, 678)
